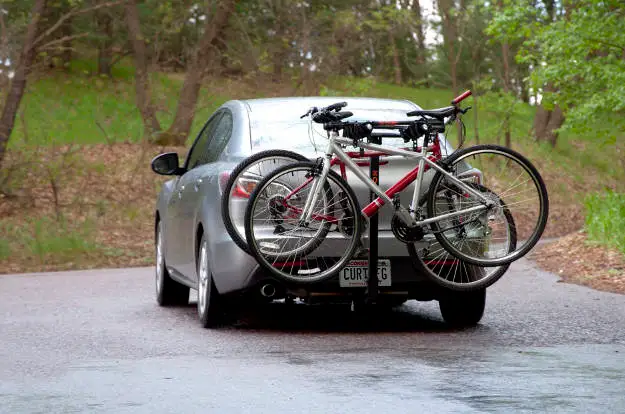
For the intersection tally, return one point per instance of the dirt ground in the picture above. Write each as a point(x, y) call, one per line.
point(576, 260)
point(111, 189)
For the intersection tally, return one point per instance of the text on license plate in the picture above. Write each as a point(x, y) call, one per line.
point(355, 274)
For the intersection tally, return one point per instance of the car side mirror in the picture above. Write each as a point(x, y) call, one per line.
point(167, 164)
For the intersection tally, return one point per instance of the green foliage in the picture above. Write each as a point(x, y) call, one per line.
point(47, 239)
point(605, 219)
point(580, 55)
point(5, 246)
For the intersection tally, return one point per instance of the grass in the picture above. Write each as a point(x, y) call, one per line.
point(605, 219)
point(81, 108)
point(48, 240)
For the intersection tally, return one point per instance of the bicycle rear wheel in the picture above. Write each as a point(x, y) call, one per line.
point(286, 247)
point(433, 261)
point(241, 182)
point(481, 237)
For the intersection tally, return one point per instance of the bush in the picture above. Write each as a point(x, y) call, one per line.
point(605, 219)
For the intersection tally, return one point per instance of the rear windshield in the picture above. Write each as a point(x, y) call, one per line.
point(282, 128)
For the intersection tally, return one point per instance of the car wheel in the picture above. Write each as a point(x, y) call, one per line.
point(463, 309)
point(210, 304)
point(168, 291)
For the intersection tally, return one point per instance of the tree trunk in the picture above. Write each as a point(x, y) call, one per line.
point(18, 83)
point(556, 120)
point(280, 54)
point(396, 61)
point(525, 93)
point(505, 51)
point(546, 122)
point(104, 22)
point(449, 37)
point(422, 51)
point(189, 93)
point(551, 9)
point(66, 54)
point(142, 83)
point(476, 129)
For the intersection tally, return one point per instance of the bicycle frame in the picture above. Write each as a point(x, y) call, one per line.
point(425, 162)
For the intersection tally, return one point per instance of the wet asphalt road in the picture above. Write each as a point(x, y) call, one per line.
point(95, 341)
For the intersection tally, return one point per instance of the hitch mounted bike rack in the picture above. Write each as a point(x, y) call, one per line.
point(372, 290)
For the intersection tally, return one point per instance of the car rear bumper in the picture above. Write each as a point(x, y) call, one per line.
point(237, 272)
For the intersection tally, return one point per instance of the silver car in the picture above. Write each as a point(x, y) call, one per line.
point(194, 251)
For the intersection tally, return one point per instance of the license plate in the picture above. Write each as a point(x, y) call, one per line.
point(355, 274)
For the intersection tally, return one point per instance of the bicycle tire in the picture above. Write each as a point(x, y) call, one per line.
point(235, 175)
point(321, 271)
point(536, 179)
point(479, 281)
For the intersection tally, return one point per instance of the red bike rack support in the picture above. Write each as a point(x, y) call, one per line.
point(372, 283)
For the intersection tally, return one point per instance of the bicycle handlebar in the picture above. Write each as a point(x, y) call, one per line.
point(334, 107)
point(461, 98)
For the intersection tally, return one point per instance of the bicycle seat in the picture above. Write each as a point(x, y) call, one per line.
point(439, 113)
point(325, 117)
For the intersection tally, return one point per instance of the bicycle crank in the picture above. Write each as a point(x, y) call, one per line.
point(405, 233)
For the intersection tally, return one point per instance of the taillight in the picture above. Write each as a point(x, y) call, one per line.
point(243, 187)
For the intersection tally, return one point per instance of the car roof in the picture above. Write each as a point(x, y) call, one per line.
point(304, 102)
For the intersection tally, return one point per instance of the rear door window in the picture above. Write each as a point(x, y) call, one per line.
point(197, 155)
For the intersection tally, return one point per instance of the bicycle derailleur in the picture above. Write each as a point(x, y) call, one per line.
point(403, 225)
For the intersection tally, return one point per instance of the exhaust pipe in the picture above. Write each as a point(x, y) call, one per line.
point(268, 290)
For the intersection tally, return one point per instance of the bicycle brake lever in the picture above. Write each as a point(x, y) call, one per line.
point(311, 111)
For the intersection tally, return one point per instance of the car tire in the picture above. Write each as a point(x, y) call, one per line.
point(210, 304)
point(168, 291)
point(463, 309)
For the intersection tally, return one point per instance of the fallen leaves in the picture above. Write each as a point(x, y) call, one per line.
point(580, 261)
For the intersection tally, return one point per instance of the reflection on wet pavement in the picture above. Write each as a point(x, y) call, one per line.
point(550, 379)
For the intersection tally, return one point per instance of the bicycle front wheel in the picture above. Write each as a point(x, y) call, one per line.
point(286, 246)
point(242, 181)
point(508, 185)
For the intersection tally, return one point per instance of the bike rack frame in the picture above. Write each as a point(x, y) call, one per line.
point(372, 290)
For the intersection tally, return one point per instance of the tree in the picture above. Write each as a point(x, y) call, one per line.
point(196, 69)
point(525, 23)
point(584, 66)
point(104, 24)
point(447, 13)
point(142, 82)
point(18, 83)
